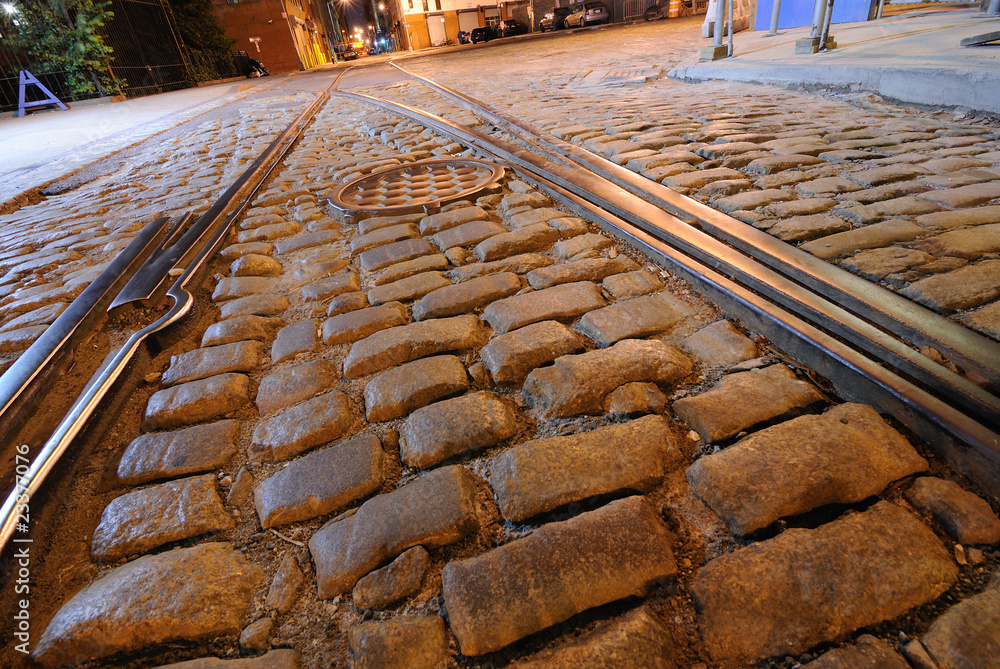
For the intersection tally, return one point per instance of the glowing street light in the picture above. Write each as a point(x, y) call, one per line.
point(381, 6)
point(9, 8)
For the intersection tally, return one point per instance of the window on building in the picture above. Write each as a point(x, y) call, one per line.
point(425, 7)
point(411, 4)
point(232, 2)
point(437, 5)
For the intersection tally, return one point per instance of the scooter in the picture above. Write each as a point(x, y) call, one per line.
point(661, 8)
point(257, 69)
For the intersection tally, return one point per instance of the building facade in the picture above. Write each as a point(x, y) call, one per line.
point(438, 22)
point(384, 26)
point(284, 35)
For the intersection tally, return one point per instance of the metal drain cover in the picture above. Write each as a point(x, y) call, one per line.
point(421, 186)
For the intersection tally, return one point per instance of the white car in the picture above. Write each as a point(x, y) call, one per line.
point(589, 14)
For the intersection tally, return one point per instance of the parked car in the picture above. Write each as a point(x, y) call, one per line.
point(464, 37)
point(512, 27)
point(484, 34)
point(349, 50)
point(555, 20)
point(589, 14)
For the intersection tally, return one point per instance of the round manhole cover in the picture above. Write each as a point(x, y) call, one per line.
point(419, 186)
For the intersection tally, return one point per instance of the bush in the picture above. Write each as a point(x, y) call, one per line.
point(63, 36)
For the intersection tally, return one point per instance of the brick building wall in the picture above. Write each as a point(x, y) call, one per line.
point(291, 33)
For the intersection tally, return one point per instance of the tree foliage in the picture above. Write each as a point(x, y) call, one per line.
point(199, 27)
point(64, 36)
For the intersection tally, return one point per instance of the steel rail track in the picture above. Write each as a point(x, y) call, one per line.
point(27, 376)
point(944, 408)
point(148, 264)
point(902, 317)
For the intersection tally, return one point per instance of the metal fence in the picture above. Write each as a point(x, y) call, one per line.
point(241, 63)
point(633, 10)
point(12, 60)
point(212, 65)
point(148, 55)
point(149, 58)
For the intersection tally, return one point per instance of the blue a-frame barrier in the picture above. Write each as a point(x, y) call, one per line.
point(26, 79)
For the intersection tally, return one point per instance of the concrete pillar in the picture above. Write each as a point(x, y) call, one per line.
point(720, 17)
point(775, 9)
point(819, 13)
point(821, 10)
point(718, 50)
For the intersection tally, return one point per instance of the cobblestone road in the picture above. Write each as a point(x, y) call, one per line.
point(493, 436)
point(54, 248)
point(901, 197)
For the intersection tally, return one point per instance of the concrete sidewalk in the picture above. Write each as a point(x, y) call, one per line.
point(913, 58)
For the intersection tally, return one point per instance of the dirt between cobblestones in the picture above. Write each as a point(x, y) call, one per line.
point(344, 137)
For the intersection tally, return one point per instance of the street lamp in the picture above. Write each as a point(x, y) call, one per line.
point(9, 8)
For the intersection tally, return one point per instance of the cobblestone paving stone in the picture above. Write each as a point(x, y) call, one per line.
point(448, 541)
point(141, 520)
point(400, 578)
point(153, 600)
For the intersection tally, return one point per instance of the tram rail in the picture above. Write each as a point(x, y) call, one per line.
point(865, 338)
point(861, 342)
point(163, 262)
